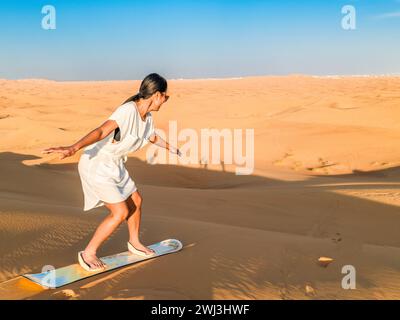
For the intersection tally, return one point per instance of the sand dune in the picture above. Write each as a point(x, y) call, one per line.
point(326, 184)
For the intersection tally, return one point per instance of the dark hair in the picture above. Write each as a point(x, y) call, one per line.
point(150, 85)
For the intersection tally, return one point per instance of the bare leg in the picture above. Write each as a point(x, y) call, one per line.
point(133, 220)
point(119, 212)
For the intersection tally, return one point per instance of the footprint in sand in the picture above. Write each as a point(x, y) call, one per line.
point(337, 238)
point(281, 162)
point(381, 164)
point(325, 166)
point(288, 161)
point(297, 165)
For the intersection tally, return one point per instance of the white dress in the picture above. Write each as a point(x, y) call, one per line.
point(101, 166)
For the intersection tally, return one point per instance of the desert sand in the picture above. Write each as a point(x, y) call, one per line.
point(325, 184)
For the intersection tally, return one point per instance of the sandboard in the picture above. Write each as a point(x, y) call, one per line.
point(56, 278)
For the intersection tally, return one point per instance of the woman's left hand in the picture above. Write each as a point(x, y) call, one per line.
point(175, 151)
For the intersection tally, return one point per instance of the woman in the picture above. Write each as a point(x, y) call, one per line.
point(105, 180)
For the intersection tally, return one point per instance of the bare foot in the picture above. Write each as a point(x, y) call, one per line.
point(92, 260)
point(141, 247)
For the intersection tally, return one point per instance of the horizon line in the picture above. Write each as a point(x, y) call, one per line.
point(333, 76)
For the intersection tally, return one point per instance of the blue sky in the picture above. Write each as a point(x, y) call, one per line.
point(127, 39)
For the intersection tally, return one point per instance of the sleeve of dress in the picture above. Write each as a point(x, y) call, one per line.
point(151, 131)
point(120, 115)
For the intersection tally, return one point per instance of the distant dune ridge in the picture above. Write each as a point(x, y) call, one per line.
point(325, 184)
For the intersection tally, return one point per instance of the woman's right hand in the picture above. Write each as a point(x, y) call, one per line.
point(65, 151)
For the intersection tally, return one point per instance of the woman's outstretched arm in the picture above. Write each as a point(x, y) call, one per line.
point(157, 140)
point(92, 137)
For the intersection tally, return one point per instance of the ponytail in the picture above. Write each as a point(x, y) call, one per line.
point(135, 98)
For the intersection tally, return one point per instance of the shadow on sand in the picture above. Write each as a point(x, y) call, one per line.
point(196, 205)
